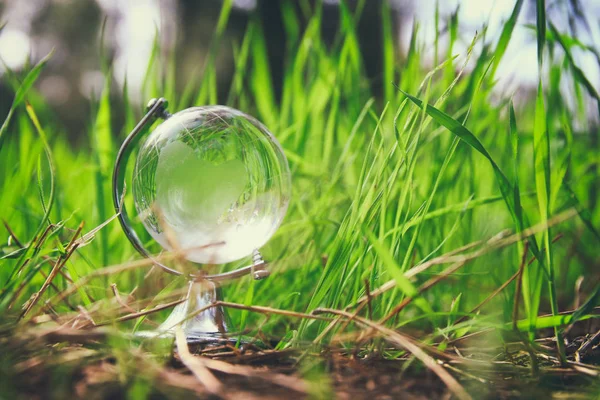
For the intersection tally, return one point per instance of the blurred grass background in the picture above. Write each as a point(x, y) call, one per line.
point(381, 184)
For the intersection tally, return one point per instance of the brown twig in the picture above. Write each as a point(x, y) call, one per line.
point(113, 287)
point(270, 310)
point(516, 275)
point(592, 341)
point(422, 289)
point(490, 297)
point(12, 233)
point(44, 236)
point(17, 292)
point(57, 266)
point(87, 315)
point(37, 246)
point(56, 289)
point(20, 244)
point(257, 309)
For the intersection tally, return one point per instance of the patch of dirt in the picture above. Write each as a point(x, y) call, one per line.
point(91, 370)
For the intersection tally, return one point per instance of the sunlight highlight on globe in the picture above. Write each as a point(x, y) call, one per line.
point(213, 182)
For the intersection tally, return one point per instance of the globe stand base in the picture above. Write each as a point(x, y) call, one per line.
point(203, 321)
point(199, 316)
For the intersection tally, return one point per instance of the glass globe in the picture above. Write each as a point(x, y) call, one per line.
point(213, 182)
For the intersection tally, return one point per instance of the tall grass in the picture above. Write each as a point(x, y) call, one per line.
point(381, 186)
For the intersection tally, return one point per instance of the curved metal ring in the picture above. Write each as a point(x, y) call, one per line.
point(157, 109)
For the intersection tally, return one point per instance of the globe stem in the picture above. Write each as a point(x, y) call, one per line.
point(201, 316)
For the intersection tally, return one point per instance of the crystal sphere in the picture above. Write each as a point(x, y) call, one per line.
point(213, 182)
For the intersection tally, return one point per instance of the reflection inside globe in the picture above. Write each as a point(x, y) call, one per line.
point(213, 182)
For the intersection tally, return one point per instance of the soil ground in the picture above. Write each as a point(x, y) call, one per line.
point(254, 373)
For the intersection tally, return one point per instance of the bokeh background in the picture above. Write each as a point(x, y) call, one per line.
point(73, 28)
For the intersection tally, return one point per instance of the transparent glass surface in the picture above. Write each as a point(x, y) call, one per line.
point(213, 182)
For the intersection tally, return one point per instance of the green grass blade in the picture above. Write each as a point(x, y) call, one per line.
point(463, 133)
point(388, 50)
point(582, 211)
point(21, 92)
point(514, 134)
point(49, 203)
point(51, 166)
point(505, 36)
point(30, 79)
point(262, 86)
point(540, 7)
point(541, 144)
point(578, 74)
point(103, 153)
point(208, 88)
point(395, 272)
point(541, 154)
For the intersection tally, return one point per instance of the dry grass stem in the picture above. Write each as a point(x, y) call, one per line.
point(196, 365)
point(494, 243)
point(60, 262)
point(139, 314)
point(407, 344)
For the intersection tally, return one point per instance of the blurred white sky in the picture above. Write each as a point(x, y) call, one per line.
point(519, 65)
point(135, 22)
